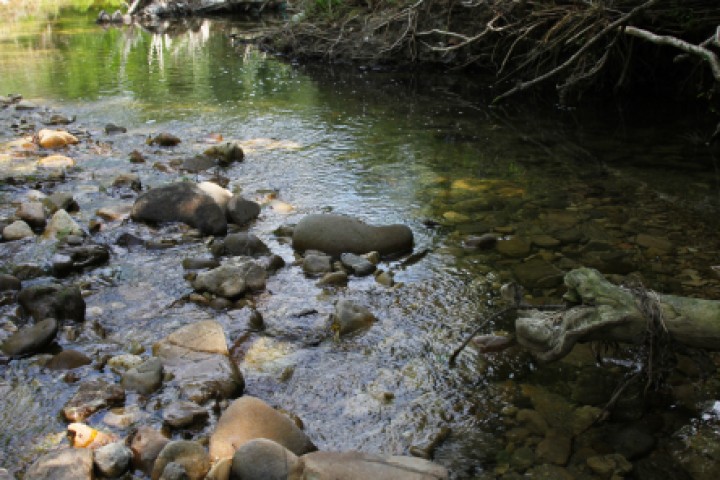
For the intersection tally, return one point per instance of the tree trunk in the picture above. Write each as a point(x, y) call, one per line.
point(607, 312)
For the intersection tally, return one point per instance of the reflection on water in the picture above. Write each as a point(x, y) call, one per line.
point(620, 191)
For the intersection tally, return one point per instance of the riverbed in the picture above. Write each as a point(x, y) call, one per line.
point(629, 189)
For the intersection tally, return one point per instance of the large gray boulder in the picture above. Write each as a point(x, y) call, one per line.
point(338, 234)
point(181, 202)
point(197, 357)
point(249, 418)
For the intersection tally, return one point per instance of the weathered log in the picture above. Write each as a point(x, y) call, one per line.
point(607, 312)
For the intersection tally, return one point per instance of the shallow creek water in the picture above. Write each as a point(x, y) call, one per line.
point(576, 187)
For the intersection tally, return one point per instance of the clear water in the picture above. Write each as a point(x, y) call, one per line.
point(385, 147)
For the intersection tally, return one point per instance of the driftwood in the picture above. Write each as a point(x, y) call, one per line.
point(607, 312)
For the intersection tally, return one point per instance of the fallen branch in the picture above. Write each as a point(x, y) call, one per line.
point(687, 47)
point(607, 312)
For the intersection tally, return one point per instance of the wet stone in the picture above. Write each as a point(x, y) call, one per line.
point(350, 317)
point(241, 211)
point(317, 264)
point(17, 231)
point(183, 414)
point(53, 301)
point(481, 242)
point(113, 460)
point(68, 360)
point(31, 339)
point(92, 396)
point(144, 378)
point(146, 444)
point(333, 279)
point(66, 464)
point(514, 247)
point(357, 264)
point(555, 448)
point(237, 244)
point(191, 456)
point(33, 213)
point(537, 273)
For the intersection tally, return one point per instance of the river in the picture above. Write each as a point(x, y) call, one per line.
point(577, 186)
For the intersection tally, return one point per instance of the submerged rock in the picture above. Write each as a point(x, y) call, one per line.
point(66, 464)
point(249, 418)
point(182, 414)
point(181, 202)
point(73, 259)
point(231, 280)
point(68, 360)
point(350, 317)
point(338, 234)
point(146, 444)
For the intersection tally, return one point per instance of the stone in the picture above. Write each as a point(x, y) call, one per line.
point(338, 234)
point(129, 180)
point(249, 418)
point(181, 202)
point(609, 465)
point(60, 201)
point(84, 436)
point(221, 195)
point(182, 414)
point(56, 162)
point(237, 244)
point(226, 154)
point(220, 470)
point(47, 138)
point(124, 362)
point(198, 163)
point(17, 230)
point(241, 211)
point(174, 471)
point(5, 475)
point(198, 359)
point(357, 264)
point(200, 263)
point(231, 280)
point(660, 244)
point(481, 242)
point(65, 464)
point(263, 459)
point(545, 241)
point(32, 339)
point(316, 264)
point(164, 140)
point(363, 466)
point(60, 119)
point(75, 259)
point(9, 283)
point(113, 460)
point(555, 448)
point(146, 444)
point(144, 378)
point(62, 225)
point(68, 360)
point(532, 420)
point(53, 300)
point(350, 317)
point(32, 213)
point(333, 279)
point(537, 273)
point(92, 396)
point(190, 455)
point(514, 247)
point(25, 105)
point(112, 129)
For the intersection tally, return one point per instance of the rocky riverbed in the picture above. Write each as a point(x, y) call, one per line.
point(176, 323)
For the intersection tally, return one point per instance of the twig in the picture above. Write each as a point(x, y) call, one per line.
point(610, 27)
point(469, 338)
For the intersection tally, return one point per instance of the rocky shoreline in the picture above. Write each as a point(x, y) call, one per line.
point(251, 440)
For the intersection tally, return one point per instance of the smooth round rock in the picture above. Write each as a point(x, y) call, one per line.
point(191, 455)
point(17, 230)
point(144, 378)
point(113, 460)
point(68, 360)
point(66, 464)
point(338, 234)
point(241, 211)
point(263, 459)
point(31, 339)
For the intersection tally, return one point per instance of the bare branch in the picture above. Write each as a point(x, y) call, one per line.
point(697, 50)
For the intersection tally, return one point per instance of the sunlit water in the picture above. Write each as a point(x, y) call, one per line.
point(423, 150)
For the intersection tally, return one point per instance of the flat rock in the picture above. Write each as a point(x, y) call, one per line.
point(338, 234)
point(92, 396)
point(198, 359)
point(182, 414)
point(181, 202)
point(249, 418)
point(144, 378)
point(68, 360)
point(56, 161)
point(363, 466)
